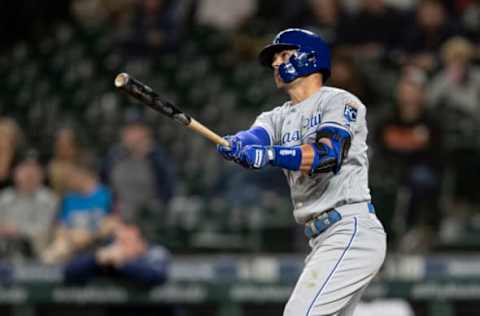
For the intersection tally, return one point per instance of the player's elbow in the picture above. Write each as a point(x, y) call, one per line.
point(325, 159)
point(324, 156)
point(331, 149)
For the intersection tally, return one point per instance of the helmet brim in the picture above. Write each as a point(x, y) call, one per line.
point(266, 55)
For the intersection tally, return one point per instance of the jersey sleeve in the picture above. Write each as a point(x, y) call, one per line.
point(342, 111)
point(269, 121)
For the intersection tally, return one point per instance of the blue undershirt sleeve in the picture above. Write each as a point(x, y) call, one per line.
point(254, 136)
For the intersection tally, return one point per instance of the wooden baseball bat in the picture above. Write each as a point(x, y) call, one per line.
point(150, 98)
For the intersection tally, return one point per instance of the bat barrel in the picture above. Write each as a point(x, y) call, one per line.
point(147, 96)
point(121, 80)
point(137, 89)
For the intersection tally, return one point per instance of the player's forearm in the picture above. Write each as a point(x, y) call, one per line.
point(324, 155)
point(308, 158)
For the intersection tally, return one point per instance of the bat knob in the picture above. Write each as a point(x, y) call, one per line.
point(121, 80)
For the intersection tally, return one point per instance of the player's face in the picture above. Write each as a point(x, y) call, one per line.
point(278, 59)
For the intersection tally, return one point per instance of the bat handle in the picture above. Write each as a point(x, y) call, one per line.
point(209, 134)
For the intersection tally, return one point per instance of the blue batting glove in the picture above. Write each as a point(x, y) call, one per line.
point(255, 156)
point(233, 151)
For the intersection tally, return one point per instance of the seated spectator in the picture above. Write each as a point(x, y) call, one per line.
point(128, 256)
point(373, 31)
point(410, 141)
point(27, 211)
point(11, 140)
point(138, 172)
point(454, 93)
point(423, 38)
point(84, 209)
point(457, 85)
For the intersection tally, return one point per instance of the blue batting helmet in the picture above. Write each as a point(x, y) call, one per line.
point(313, 54)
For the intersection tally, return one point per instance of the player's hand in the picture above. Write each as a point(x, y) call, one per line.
point(232, 152)
point(255, 156)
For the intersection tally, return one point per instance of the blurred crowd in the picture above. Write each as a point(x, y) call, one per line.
point(57, 211)
point(96, 182)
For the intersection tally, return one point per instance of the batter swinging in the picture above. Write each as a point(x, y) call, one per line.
point(319, 139)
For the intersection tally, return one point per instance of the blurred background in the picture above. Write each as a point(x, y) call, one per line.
point(109, 208)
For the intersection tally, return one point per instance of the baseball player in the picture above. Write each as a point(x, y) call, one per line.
point(318, 138)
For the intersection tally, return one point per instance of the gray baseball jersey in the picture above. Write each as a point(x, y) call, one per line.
point(293, 125)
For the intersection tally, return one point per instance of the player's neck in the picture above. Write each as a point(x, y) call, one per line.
point(304, 88)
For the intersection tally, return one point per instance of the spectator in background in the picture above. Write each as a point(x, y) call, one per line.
point(224, 15)
point(455, 94)
point(66, 151)
point(11, 140)
point(373, 31)
point(322, 17)
point(85, 209)
point(267, 16)
point(410, 141)
point(27, 211)
point(346, 75)
point(457, 85)
point(127, 256)
point(276, 14)
point(430, 29)
point(156, 28)
point(94, 13)
point(90, 240)
point(138, 172)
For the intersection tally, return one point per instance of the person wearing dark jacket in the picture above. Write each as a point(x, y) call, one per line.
point(410, 140)
point(126, 256)
point(140, 175)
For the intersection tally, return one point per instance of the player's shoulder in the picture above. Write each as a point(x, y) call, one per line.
point(332, 93)
point(278, 110)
